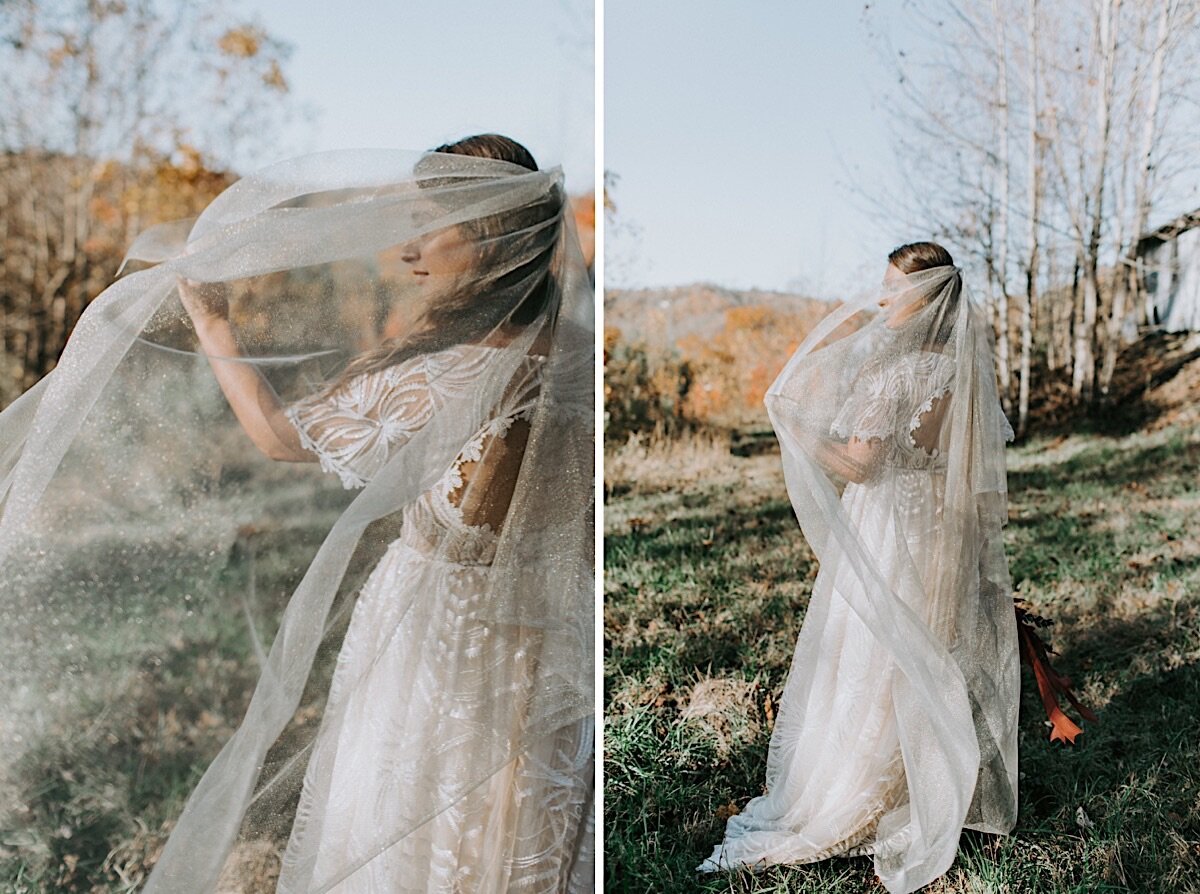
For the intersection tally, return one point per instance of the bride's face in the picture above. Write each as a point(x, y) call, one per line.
point(892, 277)
point(890, 302)
point(443, 253)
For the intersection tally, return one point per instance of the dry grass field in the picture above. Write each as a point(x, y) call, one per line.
point(707, 579)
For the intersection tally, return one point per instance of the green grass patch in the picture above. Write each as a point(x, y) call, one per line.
point(161, 684)
point(706, 587)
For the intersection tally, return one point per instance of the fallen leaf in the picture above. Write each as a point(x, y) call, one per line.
point(725, 811)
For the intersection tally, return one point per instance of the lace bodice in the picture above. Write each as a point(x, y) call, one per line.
point(356, 429)
point(888, 400)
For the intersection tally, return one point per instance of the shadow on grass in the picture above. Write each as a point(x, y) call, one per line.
point(1124, 803)
point(1119, 812)
point(1107, 465)
point(1152, 361)
point(679, 539)
point(712, 590)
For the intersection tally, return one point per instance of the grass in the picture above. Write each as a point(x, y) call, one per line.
point(165, 672)
point(705, 589)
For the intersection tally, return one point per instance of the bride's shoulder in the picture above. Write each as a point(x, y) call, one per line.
point(908, 365)
point(416, 370)
point(456, 364)
point(924, 360)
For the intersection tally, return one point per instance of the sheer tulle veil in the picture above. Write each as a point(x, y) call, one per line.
point(143, 540)
point(930, 587)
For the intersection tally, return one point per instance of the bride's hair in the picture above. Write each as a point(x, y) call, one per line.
point(914, 257)
point(491, 145)
point(920, 256)
point(494, 293)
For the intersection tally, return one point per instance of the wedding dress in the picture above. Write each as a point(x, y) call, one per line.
point(443, 740)
point(896, 727)
point(415, 673)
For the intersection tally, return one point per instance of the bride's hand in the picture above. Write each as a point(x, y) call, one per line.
point(204, 301)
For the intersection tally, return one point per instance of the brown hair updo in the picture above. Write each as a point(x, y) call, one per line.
point(920, 256)
point(491, 145)
point(914, 257)
point(498, 294)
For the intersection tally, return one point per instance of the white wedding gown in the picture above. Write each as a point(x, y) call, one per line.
point(836, 777)
point(384, 808)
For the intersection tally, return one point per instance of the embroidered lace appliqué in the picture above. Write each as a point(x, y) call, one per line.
point(889, 400)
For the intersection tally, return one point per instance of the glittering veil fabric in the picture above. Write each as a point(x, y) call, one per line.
point(414, 588)
point(897, 724)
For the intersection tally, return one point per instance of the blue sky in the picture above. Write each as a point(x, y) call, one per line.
point(744, 136)
point(731, 127)
point(414, 75)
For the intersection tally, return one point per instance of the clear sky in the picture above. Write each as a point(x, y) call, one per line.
point(732, 128)
point(413, 75)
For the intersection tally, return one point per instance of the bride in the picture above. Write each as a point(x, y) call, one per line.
point(452, 748)
point(897, 724)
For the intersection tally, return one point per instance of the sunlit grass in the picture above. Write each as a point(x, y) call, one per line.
point(709, 581)
point(157, 694)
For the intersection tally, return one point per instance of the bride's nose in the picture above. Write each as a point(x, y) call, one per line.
point(411, 252)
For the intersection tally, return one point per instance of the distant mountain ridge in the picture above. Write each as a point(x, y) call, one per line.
point(662, 316)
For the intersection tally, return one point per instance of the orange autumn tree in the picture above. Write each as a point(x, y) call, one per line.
point(734, 367)
point(115, 118)
point(645, 389)
point(583, 209)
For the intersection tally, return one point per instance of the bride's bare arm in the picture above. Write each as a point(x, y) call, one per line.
point(254, 402)
point(855, 460)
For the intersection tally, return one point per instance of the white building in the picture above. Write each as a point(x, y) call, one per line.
point(1169, 260)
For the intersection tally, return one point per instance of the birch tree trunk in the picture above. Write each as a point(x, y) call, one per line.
point(1002, 181)
point(1126, 274)
point(1107, 120)
point(1033, 177)
point(1084, 381)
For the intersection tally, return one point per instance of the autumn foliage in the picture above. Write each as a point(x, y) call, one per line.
point(1050, 683)
point(116, 116)
point(64, 237)
point(710, 374)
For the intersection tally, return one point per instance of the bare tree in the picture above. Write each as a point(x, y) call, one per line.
point(1002, 204)
point(1086, 206)
point(1107, 121)
point(1034, 196)
point(1125, 274)
point(110, 112)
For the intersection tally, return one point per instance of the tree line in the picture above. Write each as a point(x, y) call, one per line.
point(1044, 137)
point(118, 114)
